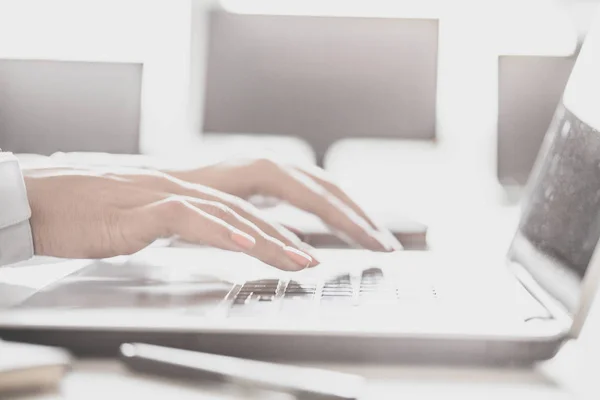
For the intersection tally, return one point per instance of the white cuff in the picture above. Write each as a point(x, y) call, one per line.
point(16, 242)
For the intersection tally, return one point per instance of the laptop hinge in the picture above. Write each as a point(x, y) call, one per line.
point(555, 308)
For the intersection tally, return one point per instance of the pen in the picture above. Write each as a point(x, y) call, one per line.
point(303, 382)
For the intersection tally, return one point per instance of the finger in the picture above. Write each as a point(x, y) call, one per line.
point(322, 179)
point(271, 228)
point(295, 231)
point(239, 207)
point(175, 217)
point(304, 245)
point(251, 213)
point(203, 222)
point(267, 248)
point(303, 192)
point(276, 231)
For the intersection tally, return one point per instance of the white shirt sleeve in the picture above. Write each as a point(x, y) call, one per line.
point(16, 242)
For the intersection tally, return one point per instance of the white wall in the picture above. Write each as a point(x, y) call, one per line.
point(156, 33)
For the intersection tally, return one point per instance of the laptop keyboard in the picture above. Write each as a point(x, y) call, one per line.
point(341, 292)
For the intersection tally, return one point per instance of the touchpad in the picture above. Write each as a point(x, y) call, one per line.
point(105, 285)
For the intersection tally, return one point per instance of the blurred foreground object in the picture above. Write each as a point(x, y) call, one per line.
point(31, 368)
point(307, 383)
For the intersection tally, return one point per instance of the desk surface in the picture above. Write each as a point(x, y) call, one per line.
point(568, 376)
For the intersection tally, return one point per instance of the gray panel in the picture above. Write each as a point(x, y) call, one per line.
point(49, 106)
point(530, 88)
point(322, 78)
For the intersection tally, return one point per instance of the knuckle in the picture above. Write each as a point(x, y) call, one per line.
point(271, 177)
point(237, 204)
point(219, 230)
point(175, 206)
point(220, 210)
point(266, 164)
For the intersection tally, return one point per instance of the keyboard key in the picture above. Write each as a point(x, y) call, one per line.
point(300, 291)
point(342, 295)
point(336, 294)
point(340, 280)
point(337, 290)
point(375, 272)
point(295, 290)
point(299, 296)
point(337, 285)
point(263, 283)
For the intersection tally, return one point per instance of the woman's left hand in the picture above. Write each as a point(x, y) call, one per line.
point(307, 188)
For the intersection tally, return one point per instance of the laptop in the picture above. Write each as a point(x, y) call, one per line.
point(517, 308)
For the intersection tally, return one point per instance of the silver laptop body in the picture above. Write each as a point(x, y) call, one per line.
point(408, 306)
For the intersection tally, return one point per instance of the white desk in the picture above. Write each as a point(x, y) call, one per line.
point(566, 377)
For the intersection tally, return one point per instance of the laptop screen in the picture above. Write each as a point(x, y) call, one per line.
point(560, 222)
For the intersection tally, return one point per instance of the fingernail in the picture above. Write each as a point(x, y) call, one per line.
point(243, 240)
point(308, 249)
point(301, 259)
point(392, 240)
point(314, 262)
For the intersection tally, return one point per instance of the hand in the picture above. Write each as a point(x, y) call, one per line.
point(307, 188)
point(90, 214)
